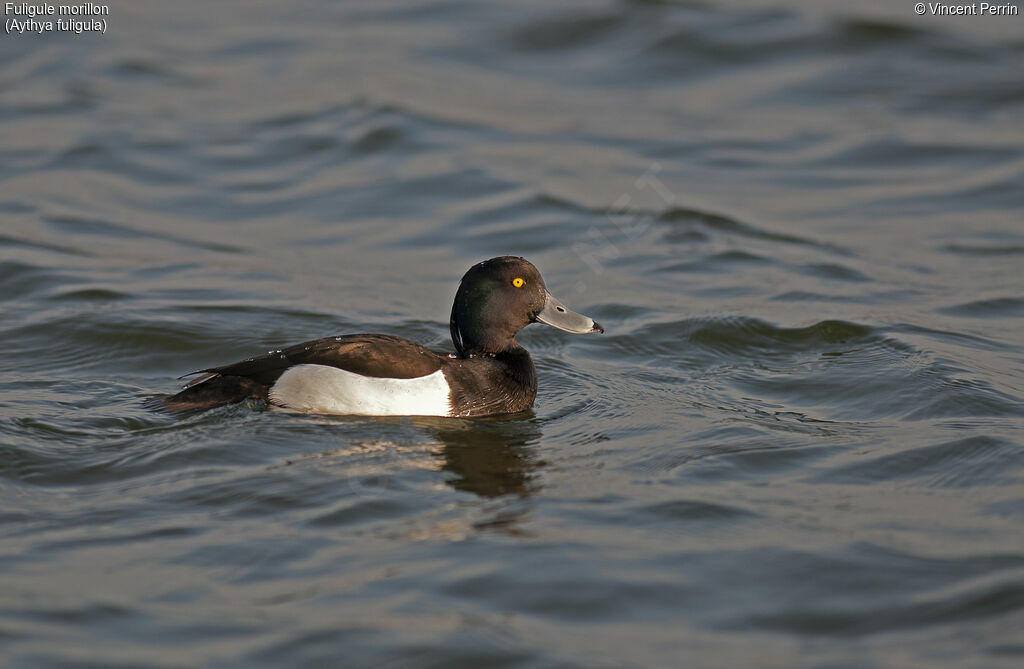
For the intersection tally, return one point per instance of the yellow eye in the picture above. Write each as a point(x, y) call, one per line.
point(518, 282)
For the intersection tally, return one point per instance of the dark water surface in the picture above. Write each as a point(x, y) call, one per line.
point(799, 443)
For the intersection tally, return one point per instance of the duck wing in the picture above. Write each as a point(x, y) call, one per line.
point(376, 355)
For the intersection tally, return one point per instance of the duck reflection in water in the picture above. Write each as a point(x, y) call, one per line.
point(492, 458)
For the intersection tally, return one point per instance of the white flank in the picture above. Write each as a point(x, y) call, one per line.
point(323, 389)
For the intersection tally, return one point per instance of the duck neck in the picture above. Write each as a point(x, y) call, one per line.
point(520, 366)
point(512, 351)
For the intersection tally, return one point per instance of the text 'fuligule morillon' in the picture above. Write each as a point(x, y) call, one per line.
point(46, 9)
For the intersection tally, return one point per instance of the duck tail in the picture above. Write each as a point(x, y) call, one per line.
point(207, 392)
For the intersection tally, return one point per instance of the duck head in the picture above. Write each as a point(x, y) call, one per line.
point(499, 297)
